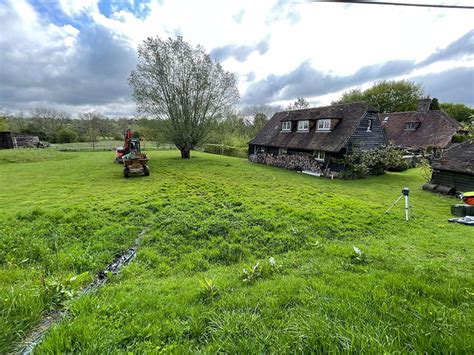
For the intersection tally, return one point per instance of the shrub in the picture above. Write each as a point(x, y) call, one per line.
point(459, 138)
point(402, 166)
point(66, 135)
point(354, 166)
point(374, 162)
point(426, 169)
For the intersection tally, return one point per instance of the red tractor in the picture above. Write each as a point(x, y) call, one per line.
point(121, 151)
point(135, 162)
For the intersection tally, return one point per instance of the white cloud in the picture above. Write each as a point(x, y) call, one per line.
point(336, 40)
point(76, 7)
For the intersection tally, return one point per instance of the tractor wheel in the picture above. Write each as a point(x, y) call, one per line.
point(146, 171)
point(126, 172)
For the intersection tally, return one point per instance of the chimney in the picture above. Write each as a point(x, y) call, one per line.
point(424, 104)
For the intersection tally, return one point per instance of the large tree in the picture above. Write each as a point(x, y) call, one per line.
point(90, 124)
point(300, 103)
point(46, 122)
point(460, 112)
point(259, 121)
point(267, 110)
point(387, 96)
point(181, 85)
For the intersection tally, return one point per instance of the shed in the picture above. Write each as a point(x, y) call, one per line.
point(10, 140)
point(455, 169)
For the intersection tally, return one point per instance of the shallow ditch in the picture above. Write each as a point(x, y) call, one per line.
point(36, 336)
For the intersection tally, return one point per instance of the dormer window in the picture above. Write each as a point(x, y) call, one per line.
point(324, 125)
point(286, 126)
point(303, 126)
point(411, 126)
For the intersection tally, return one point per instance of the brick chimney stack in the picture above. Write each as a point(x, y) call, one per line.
point(424, 104)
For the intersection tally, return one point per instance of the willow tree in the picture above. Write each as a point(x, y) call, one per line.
point(181, 85)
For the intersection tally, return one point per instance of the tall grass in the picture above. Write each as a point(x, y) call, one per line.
point(305, 288)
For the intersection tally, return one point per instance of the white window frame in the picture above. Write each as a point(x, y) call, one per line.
point(319, 155)
point(303, 126)
point(370, 123)
point(324, 125)
point(411, 126)
point(282, 151)
point(286, 126)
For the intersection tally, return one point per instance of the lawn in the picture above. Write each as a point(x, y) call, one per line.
point(304, 289)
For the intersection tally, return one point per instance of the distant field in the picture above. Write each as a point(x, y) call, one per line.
point(106, 145)
point(410, 289)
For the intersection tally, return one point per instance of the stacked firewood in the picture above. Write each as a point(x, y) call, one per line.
point(299, 162)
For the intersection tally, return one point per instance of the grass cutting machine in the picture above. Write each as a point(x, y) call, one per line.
point(132, 157)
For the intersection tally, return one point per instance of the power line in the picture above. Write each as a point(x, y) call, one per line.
point(368, 2)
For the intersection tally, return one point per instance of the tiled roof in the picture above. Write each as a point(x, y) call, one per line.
point(348, 117)
point(435, 129)
point(459, 158)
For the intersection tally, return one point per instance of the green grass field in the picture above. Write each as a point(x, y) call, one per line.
point(209, 218)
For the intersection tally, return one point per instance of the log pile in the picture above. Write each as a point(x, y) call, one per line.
point(299, 162)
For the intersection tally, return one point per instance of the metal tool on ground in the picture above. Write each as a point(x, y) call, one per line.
point(28, 345)
point(464, 213)
point(468, 198)
point(405, 192)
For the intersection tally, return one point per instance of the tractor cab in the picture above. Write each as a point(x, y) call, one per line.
point(134, 146)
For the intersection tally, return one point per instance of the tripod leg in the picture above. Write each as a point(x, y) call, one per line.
point(406, 208)
point(398, 199)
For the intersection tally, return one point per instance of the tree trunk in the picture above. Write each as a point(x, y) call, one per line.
point(185, 153)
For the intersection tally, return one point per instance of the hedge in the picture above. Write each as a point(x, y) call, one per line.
point(225, 150)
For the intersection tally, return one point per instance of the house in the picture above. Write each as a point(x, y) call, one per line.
point(9, 140)
point(421, 130)
point(456, 168)
point(320, 136)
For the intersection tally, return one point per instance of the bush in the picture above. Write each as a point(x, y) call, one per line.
point(66, 135)
point(354, 166)
point(426, 169)
point(459, 138)
point(401, 166)
point(375, 162)
point(225, 150)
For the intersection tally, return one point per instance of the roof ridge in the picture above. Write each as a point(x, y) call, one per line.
point(327, 106)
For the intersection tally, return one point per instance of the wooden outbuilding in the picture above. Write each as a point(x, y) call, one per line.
point(455, 169)
point(10, 140)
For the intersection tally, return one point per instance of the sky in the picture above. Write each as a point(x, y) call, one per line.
point(76, 55)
